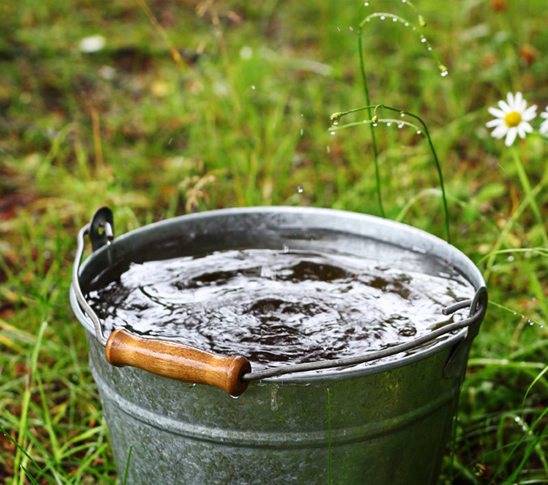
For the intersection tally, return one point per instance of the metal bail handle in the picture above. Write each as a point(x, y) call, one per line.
point(459, 357)
point(233, 373)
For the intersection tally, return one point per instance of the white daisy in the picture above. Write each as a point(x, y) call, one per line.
point(512, 118)
point(544, 126)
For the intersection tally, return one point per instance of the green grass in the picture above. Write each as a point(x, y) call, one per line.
point(246, 122)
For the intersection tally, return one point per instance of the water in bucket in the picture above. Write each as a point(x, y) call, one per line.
point(281, 306)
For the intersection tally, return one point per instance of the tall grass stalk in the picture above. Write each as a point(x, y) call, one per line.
point(529, 193)
point(337, 116)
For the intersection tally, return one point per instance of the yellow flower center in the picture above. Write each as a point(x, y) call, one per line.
point(512, 119)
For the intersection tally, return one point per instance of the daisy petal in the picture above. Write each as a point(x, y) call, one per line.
point(504, 107)
point(493, 123)
point(518, 99)
point(510, 98)
point(526, 127)
point(511, 136)
point(497, 113)
point(530, 113)
point(544, 128)
point(544, 115)
point(499, 131)
point(521, 130)
point(523, 105)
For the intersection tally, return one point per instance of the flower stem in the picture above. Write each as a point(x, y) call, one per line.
point(373, 139)
point(528, 192)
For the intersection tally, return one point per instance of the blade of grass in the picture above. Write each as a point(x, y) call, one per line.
point(26, 402)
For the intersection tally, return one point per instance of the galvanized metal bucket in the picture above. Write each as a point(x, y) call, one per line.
point(384, 422)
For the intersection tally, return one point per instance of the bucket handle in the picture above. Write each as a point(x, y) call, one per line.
point(163, 357)
point(233, 373)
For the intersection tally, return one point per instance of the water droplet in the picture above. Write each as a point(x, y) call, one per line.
point(407, 24)
point(515, 313)
point(285, 248)
point(368, 20)
point(302, 131)
point(402, 114)
point(300, 189)
point(375, 124)
point(366, 4)
point(382, 17)
point(404, 1)
point(429, 48)
point(302, 114)
point(444, 73)
point(394, 19)
point(510, 258)
point(423, 39)
point(351, 29)
point(414, 29)
point(252, 87)
point(339, 29)
point(400, 125)
point(419, 132)
point(332, 132)
point(328, 149)
point(388, 124)
point(335, 123)
point(530, 322)
point(169, 142)
point(516, 419)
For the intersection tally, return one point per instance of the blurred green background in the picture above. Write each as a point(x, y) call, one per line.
point(175, 107)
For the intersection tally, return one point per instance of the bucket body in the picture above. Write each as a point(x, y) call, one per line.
point(386, 422)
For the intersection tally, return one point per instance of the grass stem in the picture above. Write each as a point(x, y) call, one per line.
point(529, 193)
point(372, 130)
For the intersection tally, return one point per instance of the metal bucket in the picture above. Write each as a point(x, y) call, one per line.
point(385, 422)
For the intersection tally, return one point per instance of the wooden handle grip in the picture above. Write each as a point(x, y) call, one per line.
point(178, 361)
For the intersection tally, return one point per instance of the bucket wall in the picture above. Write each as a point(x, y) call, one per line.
point(385, 428)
